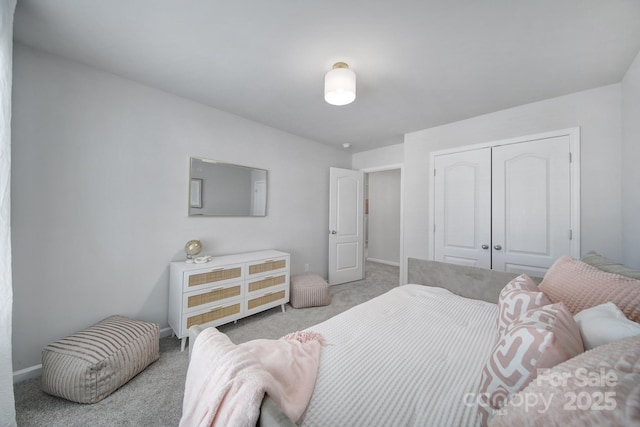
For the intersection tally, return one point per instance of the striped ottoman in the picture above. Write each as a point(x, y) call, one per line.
point(309, 290)
point(89, 365)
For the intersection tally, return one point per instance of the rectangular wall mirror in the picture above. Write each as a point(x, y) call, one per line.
point(224, 189)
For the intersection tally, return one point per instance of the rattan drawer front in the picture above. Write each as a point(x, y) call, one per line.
point(195, 300)
point(215, 314)
point(267, 282)
point(265, 299)
point(268, 265)
point(215, 275)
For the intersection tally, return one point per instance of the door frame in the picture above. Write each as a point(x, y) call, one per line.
point(574, 176)
point(394, 166)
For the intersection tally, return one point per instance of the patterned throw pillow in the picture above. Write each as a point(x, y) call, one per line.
point(580, 286)
point(540, 338)
point(598, 388)
point(516, 298)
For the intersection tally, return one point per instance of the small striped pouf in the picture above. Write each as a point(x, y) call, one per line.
point(91, 364)
point(309, 290)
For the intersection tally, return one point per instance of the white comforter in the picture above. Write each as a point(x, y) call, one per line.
point(410, 357)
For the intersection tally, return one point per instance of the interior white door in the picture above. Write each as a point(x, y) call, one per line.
point(259, 198)
point(346, 225)
point(462, 208)
point(531, 213)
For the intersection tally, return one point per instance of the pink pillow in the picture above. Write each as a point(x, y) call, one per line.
point(540, 338)
point(564, 396)
point(516, 298)
point(580, 286)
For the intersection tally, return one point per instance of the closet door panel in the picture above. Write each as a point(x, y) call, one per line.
point(462, 211)
point(530, 205)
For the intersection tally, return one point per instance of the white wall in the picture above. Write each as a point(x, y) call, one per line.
point(597, 112)
point(100, 187)
point(379, 157)
point(384, 216)
point(630, 165)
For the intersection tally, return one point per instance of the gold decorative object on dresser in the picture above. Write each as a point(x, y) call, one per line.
point(226, 288)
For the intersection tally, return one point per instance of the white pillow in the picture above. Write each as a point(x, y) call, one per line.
point(603, 324)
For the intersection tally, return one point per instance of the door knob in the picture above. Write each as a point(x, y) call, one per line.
point(497, 247)
point(485, 246)
point(334, 232)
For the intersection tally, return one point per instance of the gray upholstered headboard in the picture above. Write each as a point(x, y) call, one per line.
point(469, 282)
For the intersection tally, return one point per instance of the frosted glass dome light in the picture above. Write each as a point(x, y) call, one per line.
point(340, 85)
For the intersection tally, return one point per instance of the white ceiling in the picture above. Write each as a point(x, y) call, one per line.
point(419, 63)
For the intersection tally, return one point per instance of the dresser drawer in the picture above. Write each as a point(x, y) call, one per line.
point(216, 315)
point(262, 284)
point(212, 275)
point(212, 295)
point(268, 266)
point(265, 300)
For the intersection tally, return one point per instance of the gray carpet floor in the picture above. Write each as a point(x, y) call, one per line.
point(154, 397)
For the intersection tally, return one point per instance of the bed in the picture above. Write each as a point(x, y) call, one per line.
point(370, 379)
point(410, 357)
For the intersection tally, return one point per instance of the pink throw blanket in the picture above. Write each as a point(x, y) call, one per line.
point(226, 382)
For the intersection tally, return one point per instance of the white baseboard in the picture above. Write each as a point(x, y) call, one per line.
point(166, 332)
point(36, 371)
point(27, 373)
point(382, 261)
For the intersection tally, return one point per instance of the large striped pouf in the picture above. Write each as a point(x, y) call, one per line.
point(309, 290)
point(91, 364)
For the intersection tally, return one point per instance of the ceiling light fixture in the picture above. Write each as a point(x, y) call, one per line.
point(340, 85)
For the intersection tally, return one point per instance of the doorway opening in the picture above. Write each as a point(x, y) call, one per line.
point(382, 217)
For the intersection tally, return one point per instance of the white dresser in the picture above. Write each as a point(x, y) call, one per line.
point(226, 289)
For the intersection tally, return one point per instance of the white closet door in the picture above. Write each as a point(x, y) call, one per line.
point(462, 203)
point(531, 210)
